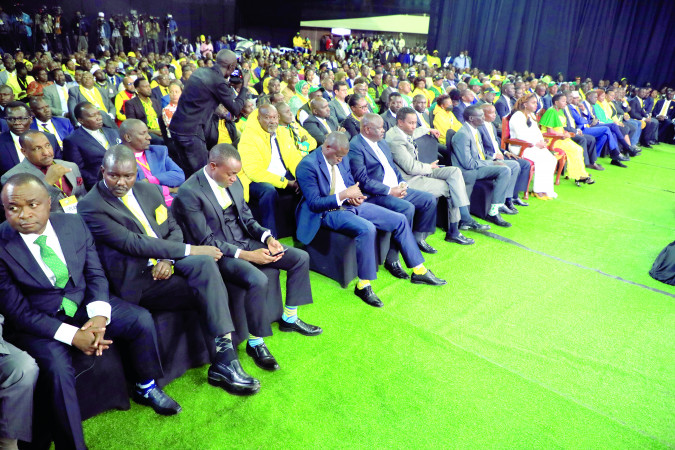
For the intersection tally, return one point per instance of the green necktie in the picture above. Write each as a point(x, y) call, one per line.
point(60, 271)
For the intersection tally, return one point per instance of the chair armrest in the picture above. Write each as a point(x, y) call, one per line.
point(523, 144)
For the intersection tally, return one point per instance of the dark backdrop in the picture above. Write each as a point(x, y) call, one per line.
point(606, 39)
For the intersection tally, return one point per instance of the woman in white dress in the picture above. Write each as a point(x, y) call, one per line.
point(523, 126)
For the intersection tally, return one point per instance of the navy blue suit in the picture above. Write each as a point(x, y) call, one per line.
point(9, 156)
point(31, 305)
point(162, 167)
point(85, 151)
point(524, 174)
point(319, 208)
point(63, 127)
point(419, 207)
point(503, 109)
point(639, 112)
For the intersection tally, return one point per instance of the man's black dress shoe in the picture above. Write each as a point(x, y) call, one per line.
point(473, 226)
point(509, 204)
point(519, 202)
point(425, 247)
point(396, 270)
point(506, 210)
point(159, 401)
point(653, 143)
point(367, 295)
point(646, 146)
point(616, 162)
point(497, 220)
point(459, 239)
point(262, 357)
point(428, 278)
point(621, 157)
point(232, 378)
point(300, 327)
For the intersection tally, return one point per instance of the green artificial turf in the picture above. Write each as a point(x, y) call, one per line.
point(541, 347)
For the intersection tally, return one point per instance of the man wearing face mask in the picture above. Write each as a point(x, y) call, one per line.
point(207, 88)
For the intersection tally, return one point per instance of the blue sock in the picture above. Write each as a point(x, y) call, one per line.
point(453, 230)
point(254, 341)
point(464, 213)
point(144, 388)
point(290, 314)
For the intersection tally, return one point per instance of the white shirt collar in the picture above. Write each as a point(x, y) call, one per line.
point(49, 232)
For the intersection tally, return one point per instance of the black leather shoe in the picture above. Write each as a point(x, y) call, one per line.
point(159, 401)
point(636, 149)
point(428, 278)
point(509, 204)
point(460, 239)
point(653, 143)
point(232, 378)
point(646, 146)
point(425, 247)
point(497, 220)
point(621, 157)
point(616, 162)
point(367, 295)
point(396, 270)
point(473, 226)
point(506, 210)
point(300, 327)
point(519, 202)
point(262, 357)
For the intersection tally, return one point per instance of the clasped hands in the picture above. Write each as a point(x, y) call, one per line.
point(90, 337)
point(353, 195)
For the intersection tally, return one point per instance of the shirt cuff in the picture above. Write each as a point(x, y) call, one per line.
point(99, 308)
point(337, 199)
point(187, 249)
point(237, 253)
point(66, 334)
point(265, 235)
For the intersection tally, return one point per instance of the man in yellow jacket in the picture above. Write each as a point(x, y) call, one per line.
point(268, 164)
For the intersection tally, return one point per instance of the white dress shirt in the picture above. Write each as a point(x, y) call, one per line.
point(65, 333)
point(63, 96)
point(17, 146)
point(390, 179)
point(50, 128)
point(99, 136)
point(224, 200)
point(276, 165)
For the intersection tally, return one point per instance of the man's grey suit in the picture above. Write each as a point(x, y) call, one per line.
point(443, 181)
point(337, 111)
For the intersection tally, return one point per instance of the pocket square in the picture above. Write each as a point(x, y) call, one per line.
point(160, 214)
point(79, 181)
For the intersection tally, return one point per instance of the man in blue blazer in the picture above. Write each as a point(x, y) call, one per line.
point(372, 165)
point(18, 120)
point(60, 127)
point(86, 145)
point(638, 112)
point(332, 199)
point(56, 299)
point(504, 105)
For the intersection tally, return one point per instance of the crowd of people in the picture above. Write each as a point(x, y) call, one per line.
point(127, 176)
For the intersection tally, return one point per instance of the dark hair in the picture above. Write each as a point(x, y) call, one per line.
point(441, 98)
point(28, 134)
point(557, 97)
point(138, 80)
point(79, 107)
point(353, 99)
point(222, 152)
point(393, 95)
point(404, 112)
point(117, 153)
point(472, 110)
point(338, 85)
point(17, 104)
point(21, 179)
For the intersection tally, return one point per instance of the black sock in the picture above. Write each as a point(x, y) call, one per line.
point(453, 230)
point(392, 255)
point(224, 349)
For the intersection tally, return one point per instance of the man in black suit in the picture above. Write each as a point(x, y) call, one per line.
point(147, 263)
point(506, 101)
point(6, 97)
point(206, 88)
point(664, 112)
point(211, 210)
point(389, 116)
point(88, 143)
point(135, 108)
point(55, 297)
point(18, 120)
point(637, 112)
point(320, 124)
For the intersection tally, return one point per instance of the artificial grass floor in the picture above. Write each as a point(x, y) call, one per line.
point(570, 344)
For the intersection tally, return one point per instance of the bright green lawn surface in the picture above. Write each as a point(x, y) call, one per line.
point(519, 350)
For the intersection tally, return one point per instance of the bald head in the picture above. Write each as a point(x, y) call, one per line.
point(335, 147)
point(268, 117)
point(372, 127)
point(227, 61)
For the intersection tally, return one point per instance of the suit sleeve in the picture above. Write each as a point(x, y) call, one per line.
point(71, 152)
point(170, 174)
point(359, 171)
point(72, 103)
point(97, 283)
point(404, 160)
point(312, 127)
point(225, 95)
point(501, 109)
point(130, 110)
point(189, 212)
point(461, 148)
point(308, 178)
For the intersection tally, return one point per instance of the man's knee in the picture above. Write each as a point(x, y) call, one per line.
point(18, 368)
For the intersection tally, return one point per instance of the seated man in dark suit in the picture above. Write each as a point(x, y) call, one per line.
point(59, 127)
point(637, 112)
point(6, 97)
point(211, 210)
point(147, 109)
point(147, 263)
point(18, 375)
point(320, 124)
point(332, 199)
point(373, 167)
point(664, 112)
point(88, 143)
point(55, 297)
point(61, 178)
point(389, 116)
point(506, 101)
point(491, 145)
point(466, 99)
point(154, 164)
point(469, 155)
point(87, 91)
point(18, 120)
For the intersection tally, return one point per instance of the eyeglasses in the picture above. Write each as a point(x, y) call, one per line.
point(17, 119)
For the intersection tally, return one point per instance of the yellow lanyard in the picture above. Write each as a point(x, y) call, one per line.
point(94, 98)
point(56, 135)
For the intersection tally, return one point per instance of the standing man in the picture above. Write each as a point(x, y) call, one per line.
point(206, 88)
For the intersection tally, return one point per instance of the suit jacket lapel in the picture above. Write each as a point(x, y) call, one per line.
point(149, 212)
point(17, 248)
point(323, 167)
point(91, 139)
point(208, 192)
point(10, 148)
point(117, 204)
point(66, 239)
point(370, 150)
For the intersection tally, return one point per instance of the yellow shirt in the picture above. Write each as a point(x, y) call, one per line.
point(444, 121)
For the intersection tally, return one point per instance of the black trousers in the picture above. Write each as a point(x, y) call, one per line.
point(250, 277)
point(130, 325)
point(192, 152)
